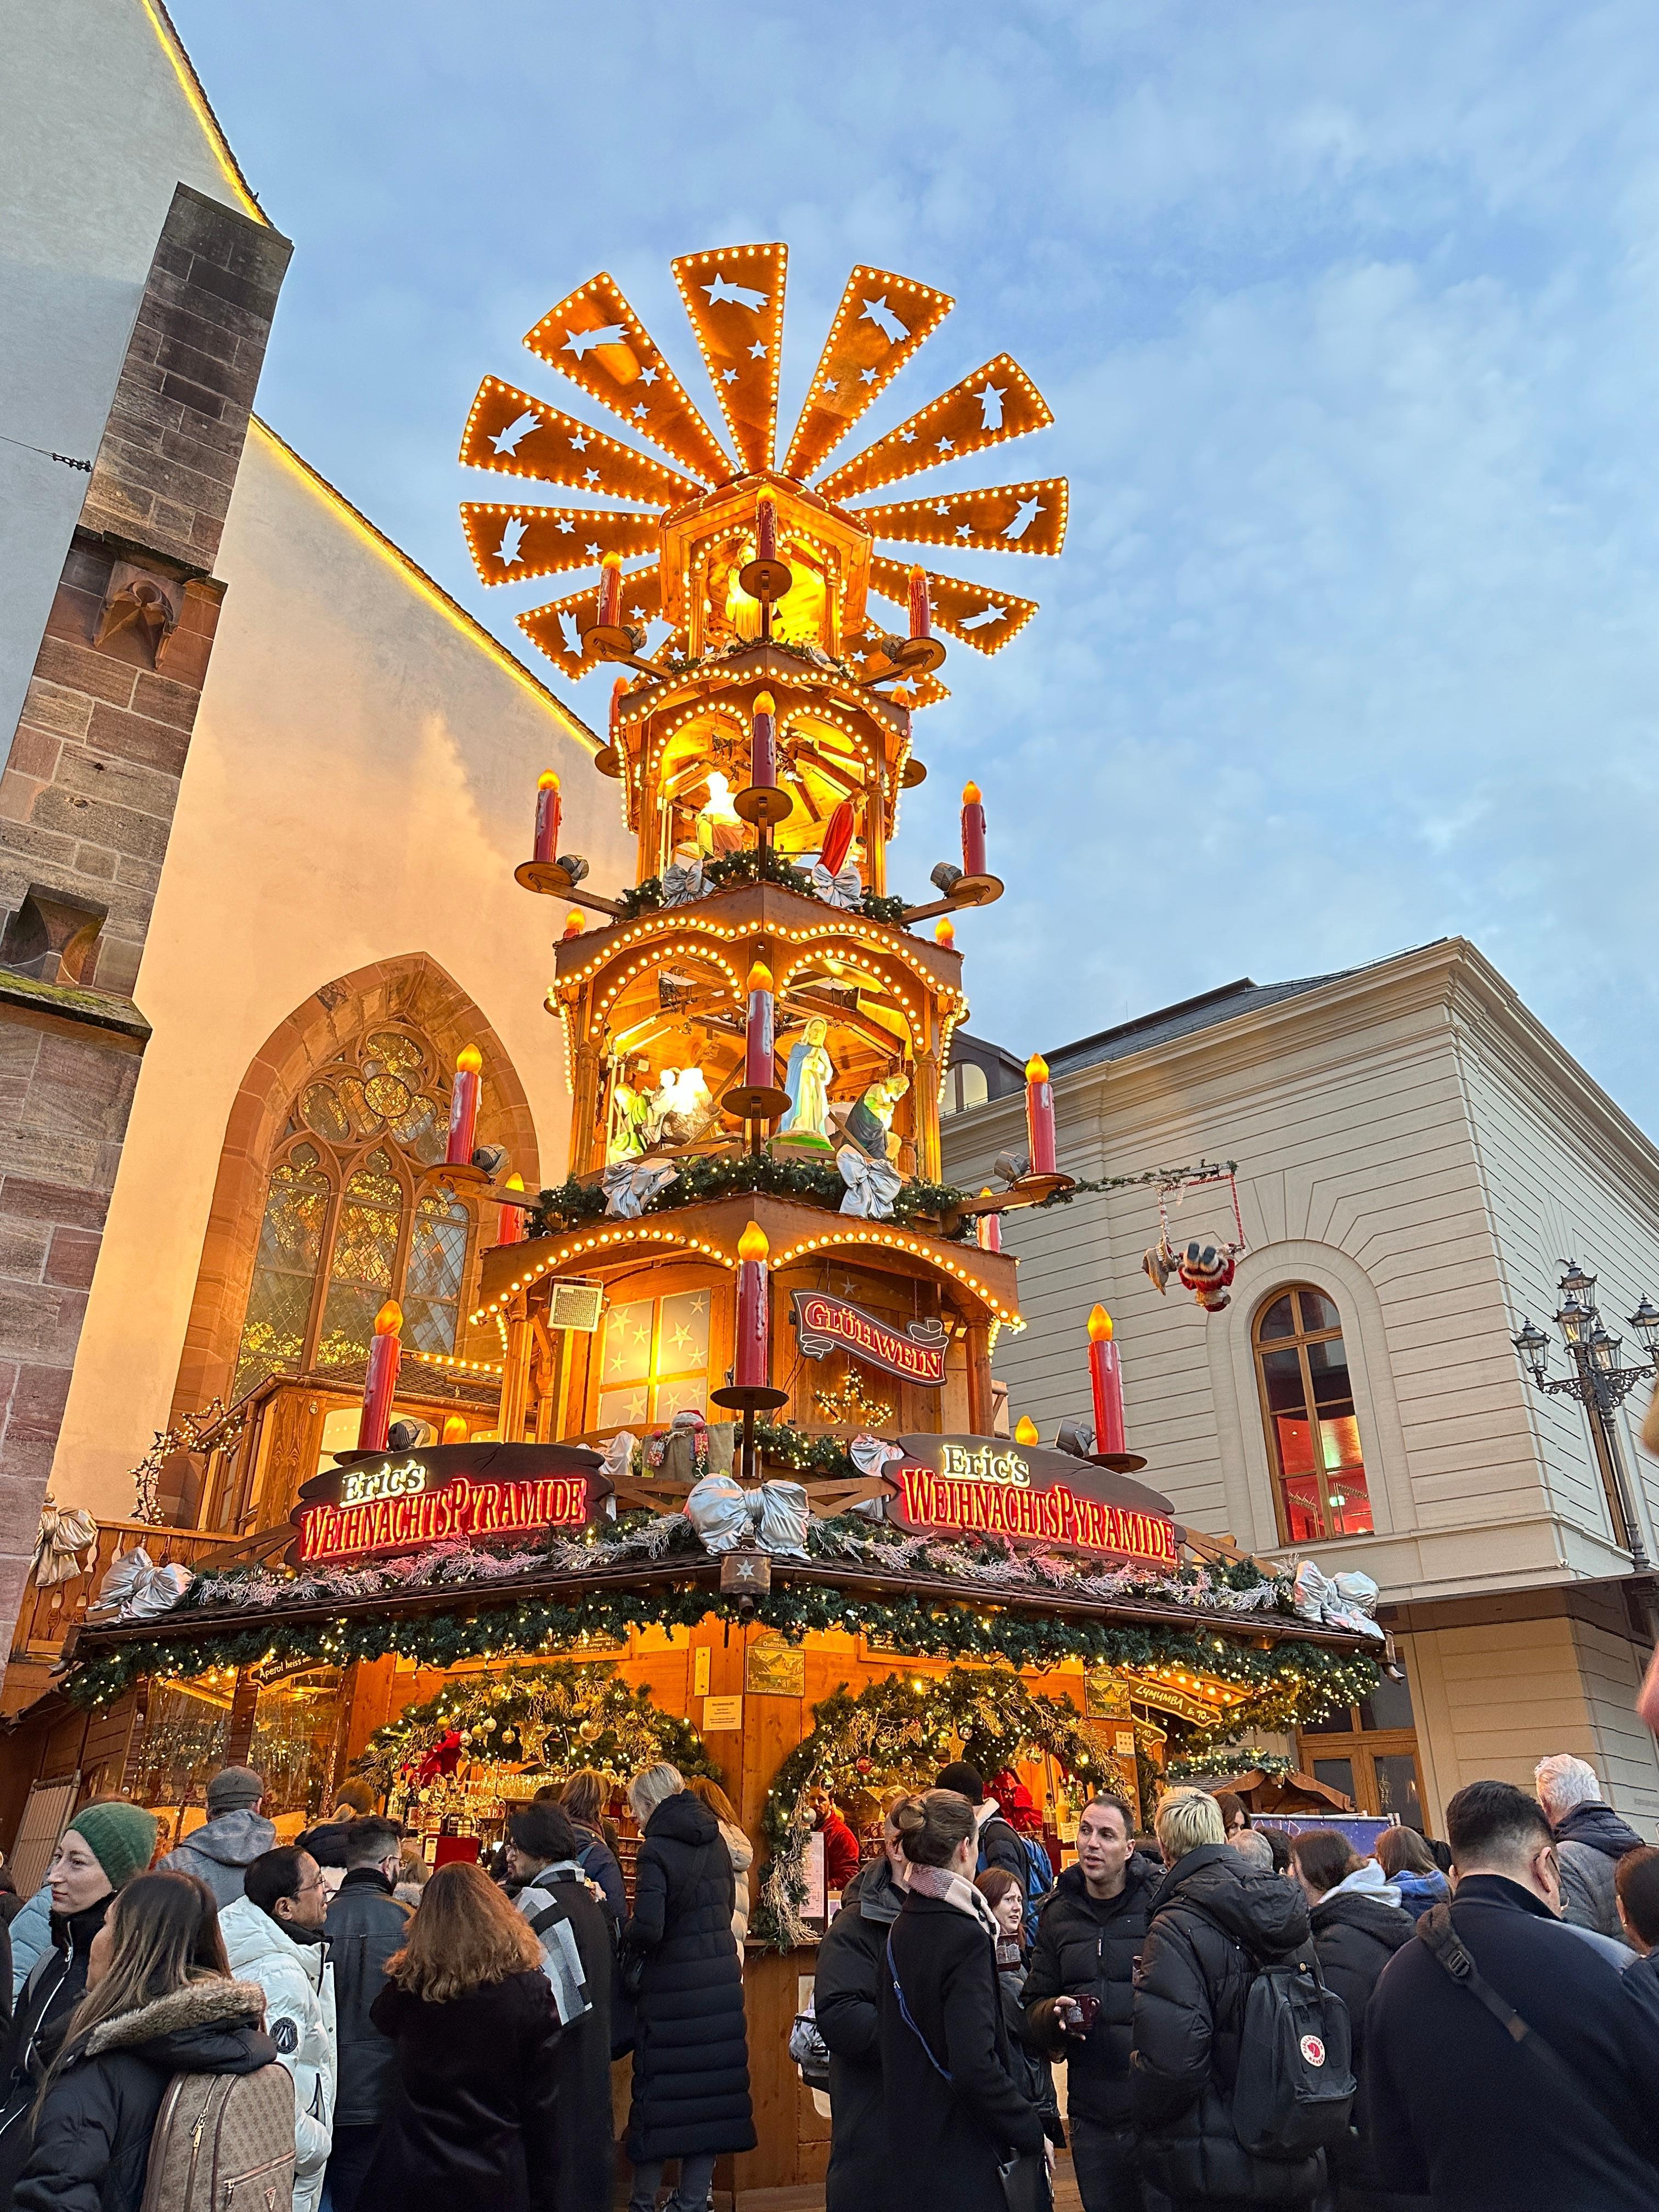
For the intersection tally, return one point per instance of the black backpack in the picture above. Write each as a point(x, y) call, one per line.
point(1294, 2087)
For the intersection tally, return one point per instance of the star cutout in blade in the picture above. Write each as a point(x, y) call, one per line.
point(745, 295)
point(506, 442)
point(578, 441)
point(758, 351)
point(584, 342)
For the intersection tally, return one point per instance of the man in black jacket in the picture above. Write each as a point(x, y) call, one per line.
point(847, 2005)
point(1090, 1932)
point(366, 1923)
point(1212, 1920)
point(1456, 2108)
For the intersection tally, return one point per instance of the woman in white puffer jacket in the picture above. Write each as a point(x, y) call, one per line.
point(273, 1935)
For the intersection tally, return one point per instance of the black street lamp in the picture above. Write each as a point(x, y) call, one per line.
point(1598, 1382)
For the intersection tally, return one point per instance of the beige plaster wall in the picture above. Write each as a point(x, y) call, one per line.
point(361, 787)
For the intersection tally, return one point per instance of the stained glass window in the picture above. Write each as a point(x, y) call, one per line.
point(1313, 1431)
point(348, 1222)
point(285, 1273)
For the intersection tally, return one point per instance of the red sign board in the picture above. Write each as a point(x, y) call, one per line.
point(378, 1502)
point(985, 1485)
point(825, 1325)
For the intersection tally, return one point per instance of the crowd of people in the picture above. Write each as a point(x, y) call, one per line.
point(1238, 2017)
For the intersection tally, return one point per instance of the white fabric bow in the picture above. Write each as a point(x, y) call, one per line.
point(135, 1589)
point(873, 1455)
point(871, 1185)
point(64, 1535)
point(683, 883)
point(630, 1186)
point(844, 889)
point(724, 1515)
point(1347, 1603)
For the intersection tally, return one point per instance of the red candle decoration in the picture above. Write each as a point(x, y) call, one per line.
point(838, 837)
point(455, 1429)
point(766, 528)
point(759, 1068)
point(547, 817)
point(989, 1227)
point(510, 1222)
point(762, 758)
point(1106, 1380)
point(1040, 1115)
point(380, 1383)
point(464, 1107)
point(972, 832)
point(610, 592)
point(752, 1364)
point(922, 611)
point(944, 932)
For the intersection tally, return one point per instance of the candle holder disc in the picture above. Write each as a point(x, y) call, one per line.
point(1124, 1462)
point(609, 641)
point(749, 1398)
point(975, 890)
point(608, 761)
point(1032, 1189)
point(755, 1102)
point(915, 772)
point(458, 1174)
point(544, 876)
point(920, 656)
point(766, 580)
point(764, 803)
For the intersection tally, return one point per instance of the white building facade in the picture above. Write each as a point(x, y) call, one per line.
point(1416, 1158)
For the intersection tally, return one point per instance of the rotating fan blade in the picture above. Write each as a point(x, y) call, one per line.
point(1025, 518)
point(984, 619)
point(996, 403)
point(507, 542)
point(519, 436)
point(881, 320)
point(734, 299)
point(594, 338)
point(560, 626)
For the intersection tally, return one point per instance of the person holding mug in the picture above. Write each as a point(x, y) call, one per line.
point(1079, 1996)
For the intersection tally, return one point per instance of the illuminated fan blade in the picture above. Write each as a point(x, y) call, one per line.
point(1025, 518)
point(996, 403)
point(594, 338)
point(984, 619)
point(881, 321)
point(507, 542)
point(519, 436)
point(734, 298)
point(919, 690)
point(559, 627)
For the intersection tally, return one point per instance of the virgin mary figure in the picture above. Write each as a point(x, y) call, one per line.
point(807, 1081)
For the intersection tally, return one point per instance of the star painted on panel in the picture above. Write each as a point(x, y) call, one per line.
point(700, 1303)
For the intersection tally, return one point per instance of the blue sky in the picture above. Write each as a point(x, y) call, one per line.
point(1350, 322)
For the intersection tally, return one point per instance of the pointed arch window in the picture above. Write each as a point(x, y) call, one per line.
point(349, 1220)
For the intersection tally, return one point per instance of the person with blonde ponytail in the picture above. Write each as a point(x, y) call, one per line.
point(957, 2113)
point(159, 2001)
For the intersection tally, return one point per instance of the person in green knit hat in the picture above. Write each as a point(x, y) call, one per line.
point(106, 1844)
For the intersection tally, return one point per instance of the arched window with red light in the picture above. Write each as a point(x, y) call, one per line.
point(1314, 1444)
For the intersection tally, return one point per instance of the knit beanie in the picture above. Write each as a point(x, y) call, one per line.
point(119, 1836)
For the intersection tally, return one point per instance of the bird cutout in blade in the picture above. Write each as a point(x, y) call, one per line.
point(594, 338)
point(881, 320)
point(559, 627)
point(996, 403)
point(509, 542)
point(981, 617)
point(556, 448)
point(1025, 518)
point(734, 299)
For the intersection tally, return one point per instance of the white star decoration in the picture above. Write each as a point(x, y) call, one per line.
point(593, 552)
point(758, 351)
point(867, 375)
point(648, 376)
point(946, 447)
point(640, 412)
point(965, 530)
point(506, 441)
point(728, 376)
point(941, 507)
point(592, 476)
point(829, 384)
point(579, 440)
point(566, 525)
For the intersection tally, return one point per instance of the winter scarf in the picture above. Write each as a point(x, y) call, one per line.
point(952, 1889)
point(538, 1901)
point(1367, 1880)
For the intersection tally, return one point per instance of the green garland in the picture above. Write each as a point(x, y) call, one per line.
point(706, 1175)
point(547, 1719)
point(1290, 1682)
point(756, 863)
point(1244, 1760)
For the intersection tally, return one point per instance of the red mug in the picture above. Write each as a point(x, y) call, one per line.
point(1089, 2011)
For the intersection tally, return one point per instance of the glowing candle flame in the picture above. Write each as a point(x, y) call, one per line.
point(1100, 1325)
point(752, 1244)
point(1025, 1431)
point(1036, 1069)
point(469, 1060)
point(390, 1319)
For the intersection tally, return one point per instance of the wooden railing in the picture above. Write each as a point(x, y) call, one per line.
point(47, 1614)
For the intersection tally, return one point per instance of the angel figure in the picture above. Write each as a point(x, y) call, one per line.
point(630, 1115)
